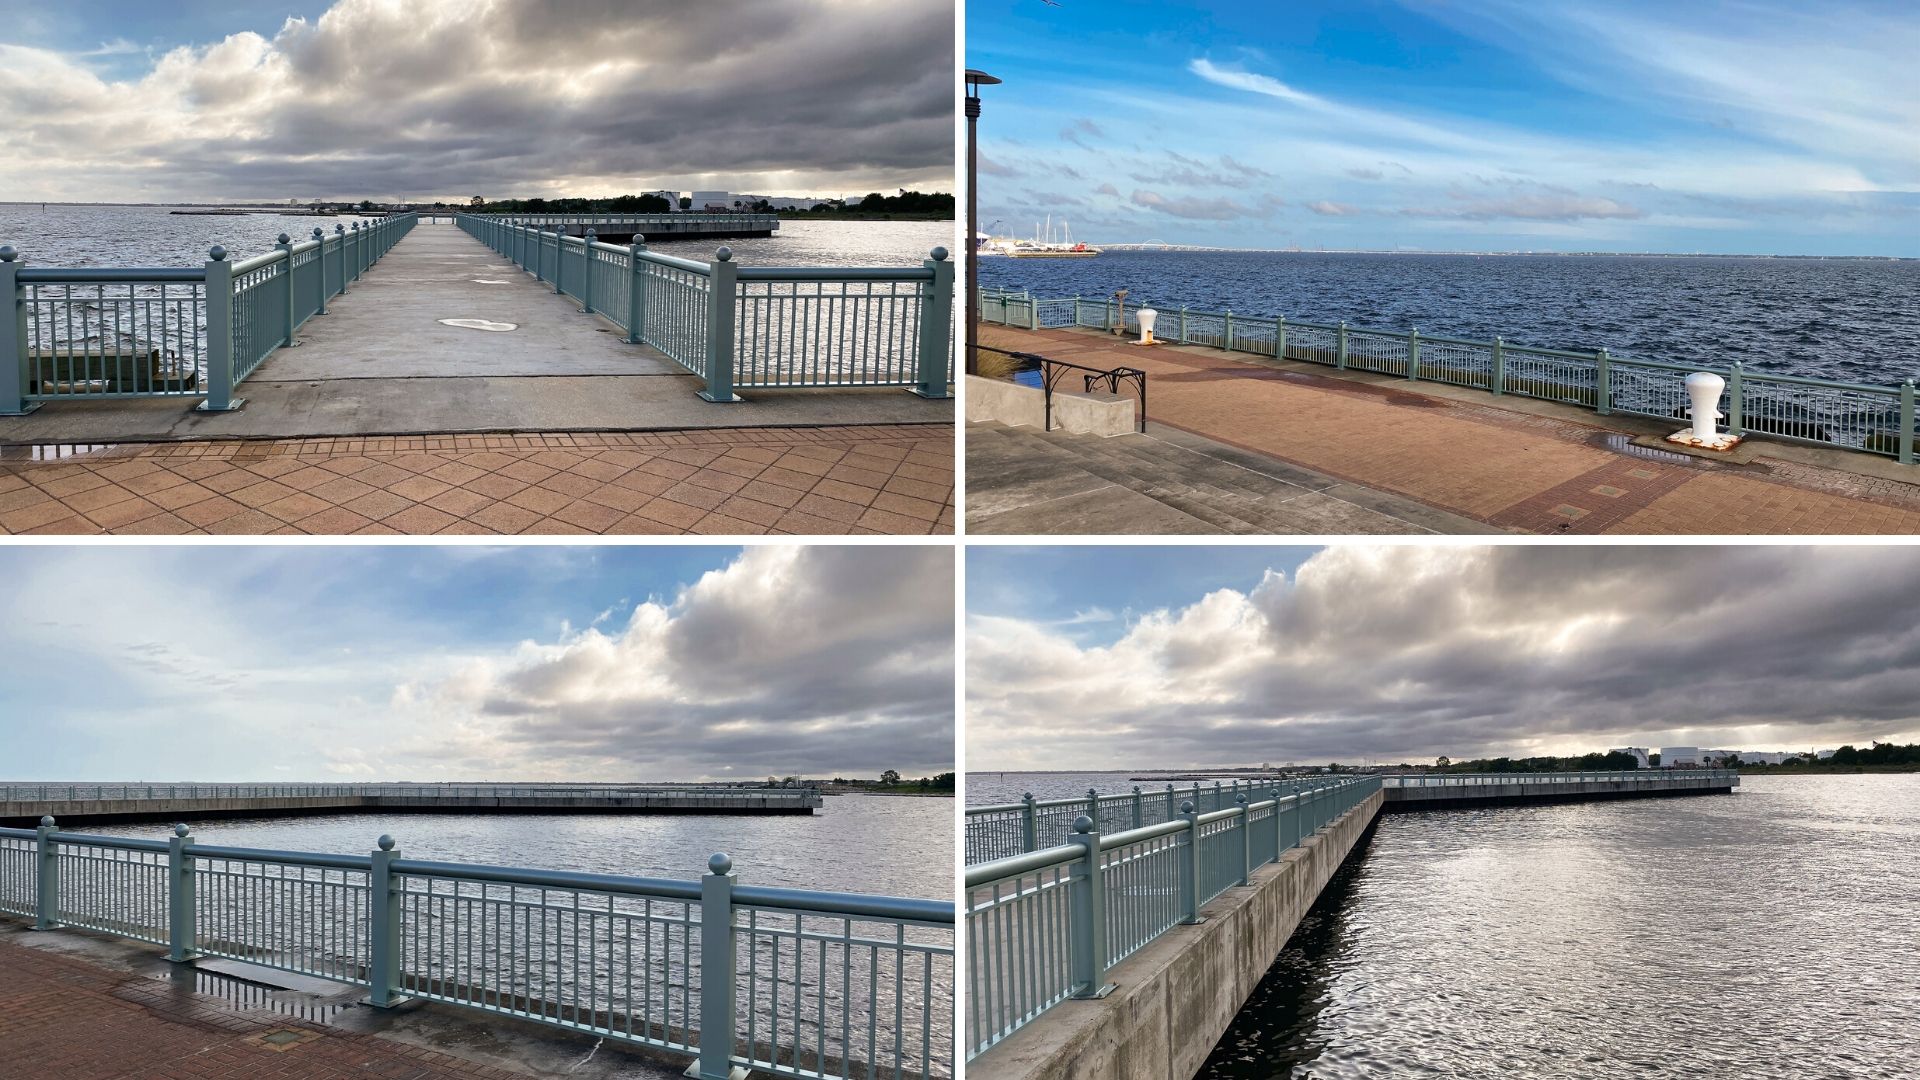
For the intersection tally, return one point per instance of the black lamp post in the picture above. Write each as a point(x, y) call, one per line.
point(975, 80)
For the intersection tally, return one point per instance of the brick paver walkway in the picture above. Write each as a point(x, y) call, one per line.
point(68, 1018)
point(879, 479)
point(1516, 470)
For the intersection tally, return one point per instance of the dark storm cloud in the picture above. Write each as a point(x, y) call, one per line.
point(1405, 653)
point(809, 660)
point(497, 96)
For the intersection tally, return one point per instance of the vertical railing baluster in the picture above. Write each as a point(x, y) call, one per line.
point(722, 284)
point(718, 1010)
point(46, 908)
point(182, 945)
point(218, 293)
point(383, 966)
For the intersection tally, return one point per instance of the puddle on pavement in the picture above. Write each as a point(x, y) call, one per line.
point(319, 1002)
point(482, 324)
point(52, 451)
point(1623, 444)
point(489, 281)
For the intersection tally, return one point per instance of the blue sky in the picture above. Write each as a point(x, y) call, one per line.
point(529, 662)
point(1488, 125)
point(125, 37)
point(1131, 657)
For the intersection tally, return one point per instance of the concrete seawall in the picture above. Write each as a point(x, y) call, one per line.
point(1454, 796)
point(1175, 997)
point(112, 811)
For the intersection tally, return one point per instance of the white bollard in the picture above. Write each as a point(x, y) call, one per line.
point(1146, 316)
point(1704, 388)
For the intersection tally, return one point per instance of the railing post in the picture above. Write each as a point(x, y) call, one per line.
point(1139, 810)
point(560, 261)
point(383, 974)
point(1093, 805)
point(218, 294)
point(1029, 824)
point(1340, 358)
point(636, 291)
point(1602, 383)
point(13, 338)
point(181, 943)
point(723, 275)
point(1907, 421)
point(1190, 867)
point(1279, 848)
point(936, 328)
point(540, 257)
point(1246, 836)
point(1735, 399)
point(1499, 366)
point(286, 247)
point(586, 289)
point(1227, 341)
point(1280, 337)
point(1087, 916)
point(46, 907)
point(1076, 311)
point(717, 1008)
point(320, 268)
point(358, 247)
point(341, 232)
point(1183, 324)
point(1170, 807)
point(1413, 354)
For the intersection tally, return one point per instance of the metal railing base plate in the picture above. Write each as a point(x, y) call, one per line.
point(693, 1071)
point(232, 406)
point(24, 409)
point(719, 399)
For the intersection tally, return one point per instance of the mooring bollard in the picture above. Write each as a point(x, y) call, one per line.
point(1147, 316)
point(1704, 389)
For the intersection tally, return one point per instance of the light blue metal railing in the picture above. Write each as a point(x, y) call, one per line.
point(814, 984)
point(1630, 776)
point(1855, 416)
point(125, 332)
point(752, 327)
point(1046, 925)
point(999, 831)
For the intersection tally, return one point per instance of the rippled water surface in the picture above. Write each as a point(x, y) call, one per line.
point(893, 846)
point(1854, 320)
point(71, 236)
point(1770, 933)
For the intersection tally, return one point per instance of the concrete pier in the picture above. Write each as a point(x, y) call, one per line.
point(1175, 997)
point(18, 811)
point(1540, 788)
point(381, 362)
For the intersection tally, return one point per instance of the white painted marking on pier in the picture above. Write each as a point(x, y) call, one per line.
point(490, 281)
point(482, 324)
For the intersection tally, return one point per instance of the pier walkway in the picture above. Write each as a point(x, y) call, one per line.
point(1120, 934)
point(381, 363)
point(1508, 464)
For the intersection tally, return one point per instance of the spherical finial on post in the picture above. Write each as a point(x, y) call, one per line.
point(180, 829)
point(356, 226)
point(939, 254)
point(339, 228)
point(385, 842)
point(7, 254)
point(1186, 806)
point(1083, 824)
point(46, 821)
point(720, 863)
point(1092, 793)
point(1241, 798)
point(592, 235)
point(285, 239)
point(317, 234)
point(217, 253)
point(638, 239)
point(725, 254)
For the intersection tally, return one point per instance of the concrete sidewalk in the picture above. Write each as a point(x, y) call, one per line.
point(1516, 466)
point(380, 362)
point(80, 1007)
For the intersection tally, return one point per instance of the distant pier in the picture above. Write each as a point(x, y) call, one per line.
point(23, 805)
point(622, 228)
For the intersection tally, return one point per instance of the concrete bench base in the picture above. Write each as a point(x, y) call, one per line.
point(1074, 411)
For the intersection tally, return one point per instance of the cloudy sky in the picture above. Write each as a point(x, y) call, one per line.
point(1761, 126)
point(1129, 657)
point(131, 101)
point(530, 662)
